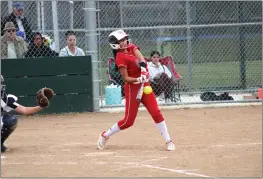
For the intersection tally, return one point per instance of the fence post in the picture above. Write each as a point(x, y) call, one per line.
point(55, 25)
point(241, 32)
point(71, 4)
point(38, 17)
point(189, 46)
point(242, 49)
point(10, 7)
point(121, 13)
point(92, 49)
point(42, 17)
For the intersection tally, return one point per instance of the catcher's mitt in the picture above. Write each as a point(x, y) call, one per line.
point(44, 95)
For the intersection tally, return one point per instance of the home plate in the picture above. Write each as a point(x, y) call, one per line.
point(2, 156)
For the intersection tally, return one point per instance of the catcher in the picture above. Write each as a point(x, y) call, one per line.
point(9, 103)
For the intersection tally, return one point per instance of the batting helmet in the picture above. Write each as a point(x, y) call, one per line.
point(115, 37)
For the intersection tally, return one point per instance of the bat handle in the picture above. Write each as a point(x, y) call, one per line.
point(140, 93)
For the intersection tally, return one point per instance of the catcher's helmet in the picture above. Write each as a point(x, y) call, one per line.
point(2, 86)
point(115, 37)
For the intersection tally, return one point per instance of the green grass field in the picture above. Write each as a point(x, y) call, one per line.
point(221, 74)
point(213, 75)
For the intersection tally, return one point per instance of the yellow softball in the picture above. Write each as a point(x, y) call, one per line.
point(147, 89)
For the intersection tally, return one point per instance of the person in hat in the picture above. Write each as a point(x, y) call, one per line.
point(12, 46)
point(19, 20)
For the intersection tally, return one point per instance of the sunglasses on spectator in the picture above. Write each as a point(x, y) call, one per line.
point(11, 30)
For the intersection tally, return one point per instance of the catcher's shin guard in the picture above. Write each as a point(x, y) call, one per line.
point(9, 125)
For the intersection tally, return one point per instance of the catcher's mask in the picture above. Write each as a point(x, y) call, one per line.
point(115, 37)
point(2, 86)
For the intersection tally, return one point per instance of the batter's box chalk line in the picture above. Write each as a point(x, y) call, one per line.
point(186, 172)
point(189, 172)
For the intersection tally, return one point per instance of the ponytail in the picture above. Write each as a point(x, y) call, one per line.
point(114, 55)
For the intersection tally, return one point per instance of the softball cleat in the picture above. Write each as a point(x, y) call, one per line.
point(3, 148)
point(170, 145)
point(102, 141)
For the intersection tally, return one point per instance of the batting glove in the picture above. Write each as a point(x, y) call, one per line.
point(143, 78)
point(144, 73)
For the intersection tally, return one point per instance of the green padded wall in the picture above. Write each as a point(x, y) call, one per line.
point(69, 77)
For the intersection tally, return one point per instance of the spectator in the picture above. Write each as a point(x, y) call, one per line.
point(20, 22)
point(38, 49)
point(12, 46)
point(71, 49)
point(160, 77)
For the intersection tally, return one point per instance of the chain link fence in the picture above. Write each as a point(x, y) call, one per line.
point(215, 46)
point(52, 19)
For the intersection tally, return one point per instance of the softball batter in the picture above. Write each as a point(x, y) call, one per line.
point(133, 70)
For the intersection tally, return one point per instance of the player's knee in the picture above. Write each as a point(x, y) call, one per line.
point(129, 124)
point(9, 121)
point(125, 126)
point(9, 125)
point(125, 123)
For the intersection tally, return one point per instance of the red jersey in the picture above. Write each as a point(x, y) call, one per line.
point(129, 61)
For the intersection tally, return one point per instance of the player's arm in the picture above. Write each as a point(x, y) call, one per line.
point(27, 110)
point(11, 104)
point(139, 55)
point(124, 74)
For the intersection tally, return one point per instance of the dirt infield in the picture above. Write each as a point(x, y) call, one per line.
point(212, 142)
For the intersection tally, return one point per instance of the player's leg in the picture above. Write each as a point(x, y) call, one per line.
point(9, 125)
point(131, 110)
point(151, 105)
